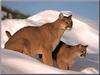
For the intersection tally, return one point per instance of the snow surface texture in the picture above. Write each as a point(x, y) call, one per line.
point(84, 31)
point(18, 63)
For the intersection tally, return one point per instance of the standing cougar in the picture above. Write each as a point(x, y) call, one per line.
point(40, 40)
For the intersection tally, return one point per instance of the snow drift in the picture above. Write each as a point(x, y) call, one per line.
point(84, 31)
point(18, 63)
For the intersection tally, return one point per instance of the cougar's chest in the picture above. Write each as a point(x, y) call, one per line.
point(55, 44)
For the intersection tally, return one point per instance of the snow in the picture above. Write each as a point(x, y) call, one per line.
point(84, 31)
point(15, 62)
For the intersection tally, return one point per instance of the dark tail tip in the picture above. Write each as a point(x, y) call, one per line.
point(8, 34)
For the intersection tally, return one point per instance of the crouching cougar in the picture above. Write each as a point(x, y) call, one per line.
point(65, 54)
point(32, 40)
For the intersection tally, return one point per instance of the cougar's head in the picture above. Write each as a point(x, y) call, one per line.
point(81, 50)
point(66, 22)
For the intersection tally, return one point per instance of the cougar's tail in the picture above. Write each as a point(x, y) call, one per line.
point(8, 34)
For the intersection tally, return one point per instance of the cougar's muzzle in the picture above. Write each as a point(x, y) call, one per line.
point(83, 55)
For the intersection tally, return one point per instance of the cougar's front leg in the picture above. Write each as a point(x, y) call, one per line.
point(68, 67)
point(47, 57)
point(61, 64)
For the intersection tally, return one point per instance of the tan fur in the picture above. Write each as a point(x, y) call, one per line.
point(67, 54)
point(39, 40)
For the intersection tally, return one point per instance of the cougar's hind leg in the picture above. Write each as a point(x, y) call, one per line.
point(15, 45)
point(27, 47)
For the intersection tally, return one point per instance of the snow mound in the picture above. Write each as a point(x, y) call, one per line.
point(83, 32)
point(90, 70)
point(17, 63)
point(47, 16)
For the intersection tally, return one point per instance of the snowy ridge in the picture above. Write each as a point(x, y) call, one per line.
point(17, 64)
point(82, 32)
point(47, 16)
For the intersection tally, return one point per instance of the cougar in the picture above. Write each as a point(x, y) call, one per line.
point(42, 40)
point(65, 55)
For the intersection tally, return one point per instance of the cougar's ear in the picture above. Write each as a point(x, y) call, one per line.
point(86, 46)
point(70, 16)
point(79, 45)
point(61, 16)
